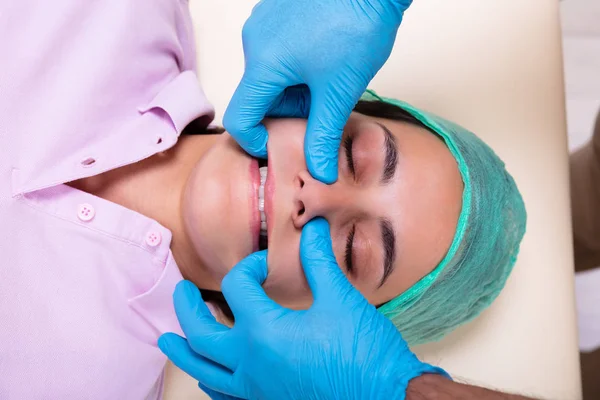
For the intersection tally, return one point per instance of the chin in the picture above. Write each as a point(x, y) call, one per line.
point(217, 207)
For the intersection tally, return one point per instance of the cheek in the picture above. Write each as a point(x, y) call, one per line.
point(286, 282)
point(286, 135)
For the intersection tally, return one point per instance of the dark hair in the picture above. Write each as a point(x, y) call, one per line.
point(218, 300)
point(375, 109)
point(379, 109)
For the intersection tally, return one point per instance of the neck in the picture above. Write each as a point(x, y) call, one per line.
point(154, 187)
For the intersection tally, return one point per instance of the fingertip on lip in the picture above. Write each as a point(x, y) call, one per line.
point(260, 145)
point(262, 153)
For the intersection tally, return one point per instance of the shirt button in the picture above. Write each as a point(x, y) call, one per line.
point(85, 212)
point(153, 238)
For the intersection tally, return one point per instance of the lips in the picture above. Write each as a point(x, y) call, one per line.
point(269, 192)
point(259, 242)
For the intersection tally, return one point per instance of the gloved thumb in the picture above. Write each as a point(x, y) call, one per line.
point(294, 102)
point(329, 111)
point(242, 287)
point(325, 278)
point(249, 105)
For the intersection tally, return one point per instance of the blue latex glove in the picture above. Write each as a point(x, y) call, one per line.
point(331, 48)
point(340, 348)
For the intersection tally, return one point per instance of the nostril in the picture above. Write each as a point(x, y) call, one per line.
point(299, 181)
point(300, 215)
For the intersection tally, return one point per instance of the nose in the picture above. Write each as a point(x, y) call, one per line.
point(314, 199)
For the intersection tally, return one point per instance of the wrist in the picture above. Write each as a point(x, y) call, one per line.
point(425, 386)
point(438, 387)
point(407, 376)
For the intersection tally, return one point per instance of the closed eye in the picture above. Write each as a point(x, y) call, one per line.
point(349, 245)
point(348, 143)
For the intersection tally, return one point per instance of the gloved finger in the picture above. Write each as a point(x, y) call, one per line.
point(248, 106)
point(325, 278)
point(205, 334)
point(242, 287)
point(181, 354)
point(329, 111)
point(294, 102)
point(216, 395)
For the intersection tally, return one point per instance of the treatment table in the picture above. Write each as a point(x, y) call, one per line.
point(494, 67)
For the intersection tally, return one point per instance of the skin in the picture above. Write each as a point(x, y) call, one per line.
point(436, 387)
point(201, 189)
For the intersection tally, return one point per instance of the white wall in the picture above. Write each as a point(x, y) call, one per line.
point(581, 47)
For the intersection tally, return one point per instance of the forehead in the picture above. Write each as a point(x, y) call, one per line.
point(423, 202)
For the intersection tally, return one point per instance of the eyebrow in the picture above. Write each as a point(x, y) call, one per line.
point(391, 156)
point(388, 237)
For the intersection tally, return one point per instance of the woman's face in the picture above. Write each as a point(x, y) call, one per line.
point(392, 213)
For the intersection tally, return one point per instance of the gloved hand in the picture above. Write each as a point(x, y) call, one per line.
point(340, 348)
point(332, 49)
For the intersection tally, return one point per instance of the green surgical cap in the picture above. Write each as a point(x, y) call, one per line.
point(485, 245)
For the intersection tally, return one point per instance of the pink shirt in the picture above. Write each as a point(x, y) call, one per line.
point(85, 284)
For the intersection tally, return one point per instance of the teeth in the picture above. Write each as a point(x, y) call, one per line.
point(261, 192)
point(261, 200)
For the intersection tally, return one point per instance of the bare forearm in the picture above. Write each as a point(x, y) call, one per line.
point(436, 387)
